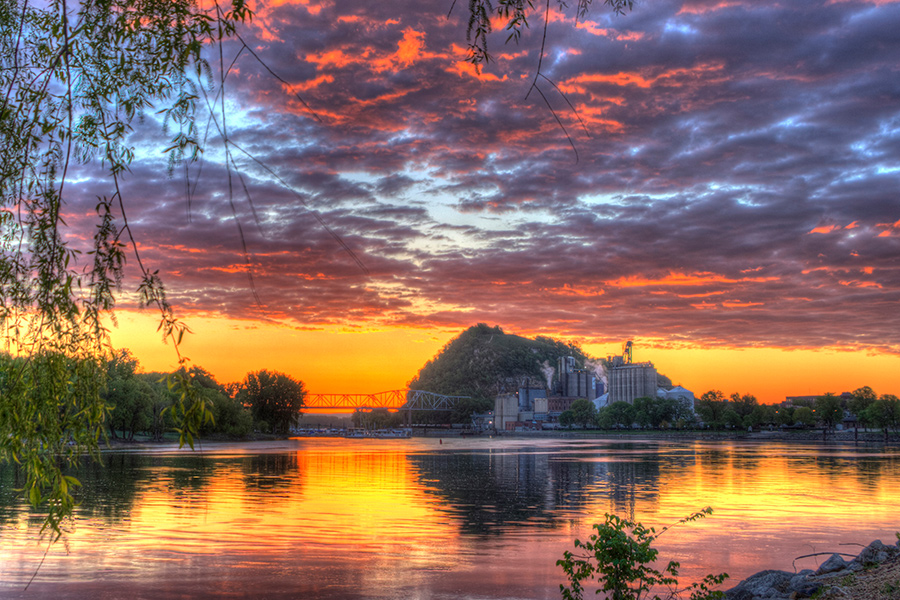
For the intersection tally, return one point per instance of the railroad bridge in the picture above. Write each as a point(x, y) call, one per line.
point(396, 400)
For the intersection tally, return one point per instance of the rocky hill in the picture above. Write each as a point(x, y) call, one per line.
point(483, 361)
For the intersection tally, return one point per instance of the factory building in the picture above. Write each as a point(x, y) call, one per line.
point(572, 382)
point(679, 394)
point(629, 380)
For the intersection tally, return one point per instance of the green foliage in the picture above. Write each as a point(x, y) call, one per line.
point(584, 413)
point(656, 412)
point(129, 397)
point(710, 408)
point(829, 410)
point(862, 398)
point(884, 412)
point(465, 407)
point(51, 414)
point(803, 415)
point(784, 415)
point(76, 77)
point(620, 557)
point(618, 415)
point(743, 405)
point(273, 398)
point(484, 361)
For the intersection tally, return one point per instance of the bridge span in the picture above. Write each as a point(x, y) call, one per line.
point(395, 400)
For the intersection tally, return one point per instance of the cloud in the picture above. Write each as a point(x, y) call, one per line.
point(736, 179)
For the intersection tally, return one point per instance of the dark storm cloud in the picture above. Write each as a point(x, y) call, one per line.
point(736, 180)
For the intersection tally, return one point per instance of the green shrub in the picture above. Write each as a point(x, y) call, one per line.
point(620, 557)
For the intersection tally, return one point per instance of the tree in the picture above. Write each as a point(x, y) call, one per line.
point(732, 419)
point(567, 418)
point(129, 396)
point(75, 79)
point(784, 415)
point(584, 413)
point(885, 413)
point(711, 407)
point(803, 415)
point(655, 412)
point(861, 399)
point(829, 410)
point(616, 415)
point(274, 398)
point(743, 405)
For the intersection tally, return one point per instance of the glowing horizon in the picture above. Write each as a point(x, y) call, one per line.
point(356, 362)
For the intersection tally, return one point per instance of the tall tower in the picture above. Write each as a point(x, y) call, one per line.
point(629, 380)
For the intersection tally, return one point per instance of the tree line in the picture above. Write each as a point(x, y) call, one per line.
point(828, 410)
point(713, 410)
point(644, 412)
point(142, 403)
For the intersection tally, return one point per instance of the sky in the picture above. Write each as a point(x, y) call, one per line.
point(715, 180)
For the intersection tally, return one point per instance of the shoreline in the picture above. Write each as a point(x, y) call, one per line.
point(873, 574)
point(872, 439)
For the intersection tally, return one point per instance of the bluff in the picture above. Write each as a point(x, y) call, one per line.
point(483, 361)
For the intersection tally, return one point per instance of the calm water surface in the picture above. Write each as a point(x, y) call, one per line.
point(419, 519)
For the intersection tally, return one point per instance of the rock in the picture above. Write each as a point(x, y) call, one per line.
point(800, 580)
point(876, 553)
point(765, 584)
point(835, 563)
point(808, 590)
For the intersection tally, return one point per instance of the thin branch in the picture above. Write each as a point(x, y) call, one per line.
point(559, 122)
point(541, 55)
point(278, 77)
point(566, 98)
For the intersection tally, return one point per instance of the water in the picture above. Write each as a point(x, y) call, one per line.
point(419, 519)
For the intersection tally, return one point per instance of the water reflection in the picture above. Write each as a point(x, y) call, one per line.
point(416, 519)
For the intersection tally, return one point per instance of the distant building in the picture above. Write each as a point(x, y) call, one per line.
point(630, 381)
point(679, 394)
point(506, 411)
point(572, 382)
point(528, 395)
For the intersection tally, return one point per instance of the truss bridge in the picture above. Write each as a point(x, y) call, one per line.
point(395, 400)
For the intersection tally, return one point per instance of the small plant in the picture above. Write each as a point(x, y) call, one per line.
point(891, 588)
point(849, 579)
point(619, 555)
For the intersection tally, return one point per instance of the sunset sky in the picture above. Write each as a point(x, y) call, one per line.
point(734, 206)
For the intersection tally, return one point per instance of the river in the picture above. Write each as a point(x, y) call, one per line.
point(431, 519)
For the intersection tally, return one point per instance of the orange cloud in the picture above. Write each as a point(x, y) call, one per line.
point(889, 229)
point(335, 58)
point(568, 290)
point(672, 77)
point(736, 304)
point(861, 284)
point(595, 29)
point(410, 48)
point(308, 85)
point(684, 279)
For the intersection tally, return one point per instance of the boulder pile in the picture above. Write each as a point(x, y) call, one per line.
point(836, 577)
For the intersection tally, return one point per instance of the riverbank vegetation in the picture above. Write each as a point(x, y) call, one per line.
point(862, 408)
point(141, 403)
